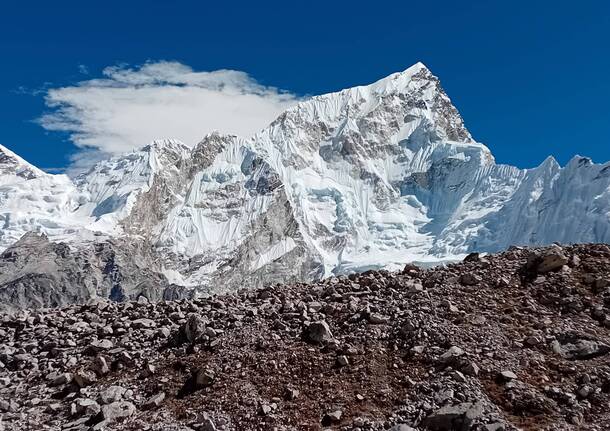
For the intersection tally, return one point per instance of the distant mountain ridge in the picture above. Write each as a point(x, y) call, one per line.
point(368, 177)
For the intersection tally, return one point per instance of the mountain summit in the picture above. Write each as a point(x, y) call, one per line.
point(365, 178)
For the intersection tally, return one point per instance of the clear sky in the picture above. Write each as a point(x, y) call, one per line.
point(530, 78)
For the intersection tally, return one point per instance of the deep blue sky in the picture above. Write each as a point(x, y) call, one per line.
point(530, 78)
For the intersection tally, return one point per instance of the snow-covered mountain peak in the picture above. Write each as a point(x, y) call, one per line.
point(11, 165)
point(368, 177)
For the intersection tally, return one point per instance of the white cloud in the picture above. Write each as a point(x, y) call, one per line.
point(129, 107)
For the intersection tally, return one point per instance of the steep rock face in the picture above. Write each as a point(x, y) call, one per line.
point(35, 272)
point(364, 178)
point(229, 220)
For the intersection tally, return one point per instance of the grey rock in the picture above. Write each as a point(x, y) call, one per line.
point(552, 260)
point(101, 345)
point(469, 279)
point(65, 274)
point(78, 424)
point(319, 332)
point(471, 369)
point(118, 410)
point(193, 328)
point(291, 394)
point(332, 417)
point(143, 323)
point(342, 361)
point(4, 406)
point(472, 257)
point(112, 394)
point(57, 379)
point(460, 417)
point(265, 409)
point(100, 366)
point(508, 375)
point(86, 407)
point(84, 377)
point(570, 346)
point(377, 319)
point(155, 400)
point(207, 425)
point(451, 355)
point(204, 378)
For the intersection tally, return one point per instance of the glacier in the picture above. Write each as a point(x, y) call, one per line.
point(365, 178)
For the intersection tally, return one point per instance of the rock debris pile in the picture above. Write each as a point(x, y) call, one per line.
point(517, 340)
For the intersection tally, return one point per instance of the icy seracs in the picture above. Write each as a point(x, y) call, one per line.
point(368, 177)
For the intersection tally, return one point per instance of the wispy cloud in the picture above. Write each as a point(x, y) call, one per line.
point(129, 107)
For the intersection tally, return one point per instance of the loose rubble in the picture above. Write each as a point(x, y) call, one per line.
point(517, 340)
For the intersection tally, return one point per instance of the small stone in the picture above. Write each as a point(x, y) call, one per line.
point(155, 400)
point(402, 427)
point(207, 425)
point(471, 369)
point(417, 350)
point(118, 410)
point(77, 424)
point(601, 283)
point(458, 377)
point(472, 257)
point(533, 340)
point(414, 288)
point(86, 407)
point(442, 397)
point(204, 378)
point(265, 409)
point(319, 332)
point(148, 370)
point(100, 366)
point(291, 394)
point(143, 323)
point(342, 361)
point(163, 332)
point(495, 426)
point(100, 345)
point(194, 328)
point(451, 307)
point(451, 355)
point(56, 379)
point(377, 319)
point(469, 279)
point(584, 391)
point(508, 375)
point(112, 394)
point(53, 408)
point(332, 418)
point(411, 269)
point(84, 377)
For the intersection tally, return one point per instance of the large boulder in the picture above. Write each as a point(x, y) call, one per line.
point(460, 417)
